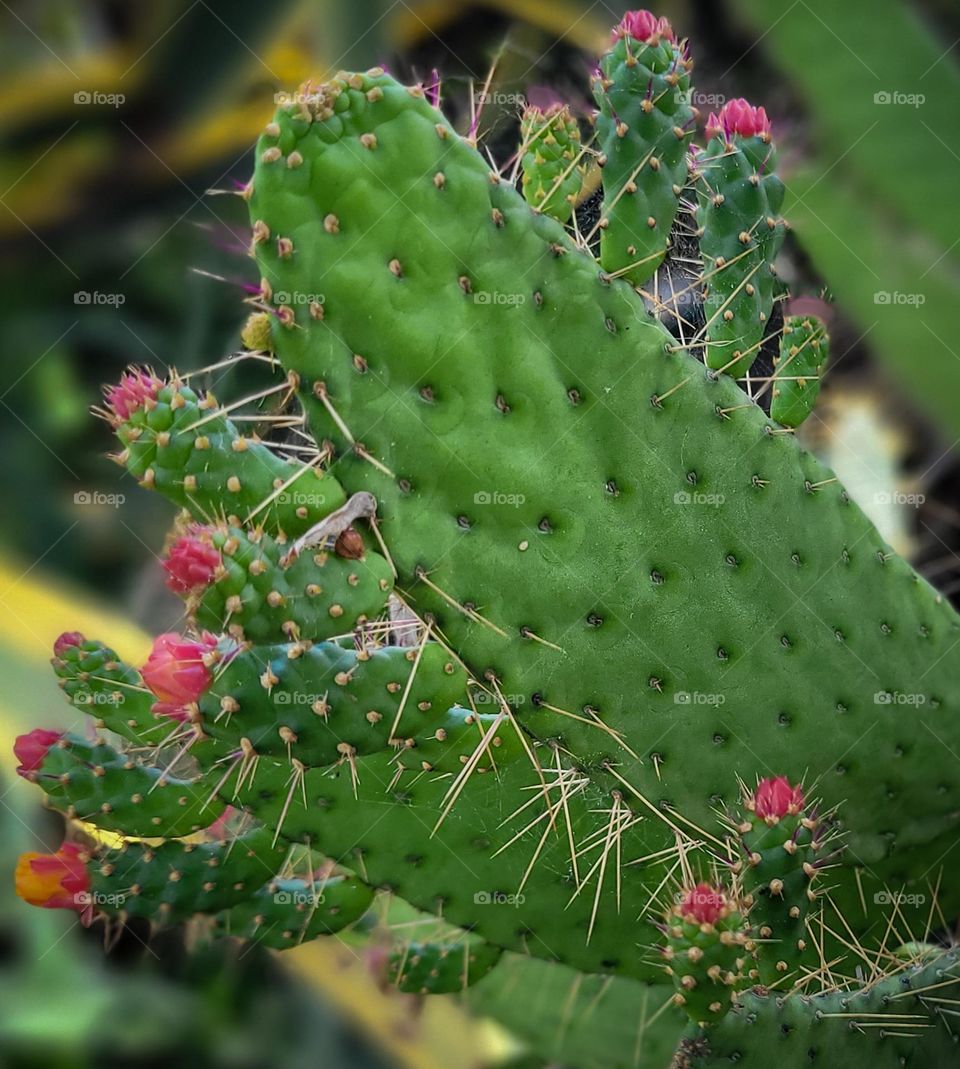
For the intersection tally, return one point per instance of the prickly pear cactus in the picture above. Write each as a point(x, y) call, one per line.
point(548, 582)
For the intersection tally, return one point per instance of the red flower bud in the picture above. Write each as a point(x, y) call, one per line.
point(704, 904)
point(31, 749)
point(175, 672)
point(775, 798)
point(191, 563)
point(66, 640)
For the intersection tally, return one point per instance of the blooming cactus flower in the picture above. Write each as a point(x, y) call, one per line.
point(775, 798)
point(31, 749)
point(739, 117)
point(191, 562)
point(136, 387)
point(56, 881)
point(176, 673)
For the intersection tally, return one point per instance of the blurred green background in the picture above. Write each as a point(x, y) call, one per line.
point(125, 127)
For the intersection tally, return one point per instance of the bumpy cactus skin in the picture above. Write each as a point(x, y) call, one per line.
point(644, 127)
point(424, 968)
point(98, 683)
point(609, 623)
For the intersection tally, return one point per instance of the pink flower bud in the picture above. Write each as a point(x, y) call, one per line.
point(775, 798)
point(66, 640)
point(191, 562)
point(642, 26)
point(136, 387)
point(31, 749)
point(176, 674)
point(739, 117)
point(704, 904)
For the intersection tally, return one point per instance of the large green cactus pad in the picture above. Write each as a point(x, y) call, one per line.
point(653, 557)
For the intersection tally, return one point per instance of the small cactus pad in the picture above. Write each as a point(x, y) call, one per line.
point(287, 912)
point(552, 167)
point(739, 199)
point(427, 968)
point(706, 948)
point(184, 445)
point(644, 127)
point(798, 370)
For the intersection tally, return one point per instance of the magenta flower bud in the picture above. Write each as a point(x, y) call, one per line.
point(136, 388)
point(775, 798)
point(66, 640)
point(191, 562)
point(739, 117)
point(704, 904)
point(643, 26)
point(31, 749)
